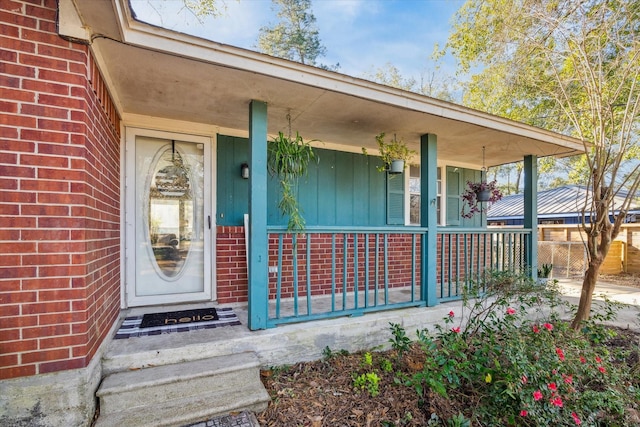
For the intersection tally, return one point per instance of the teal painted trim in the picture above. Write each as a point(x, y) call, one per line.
point(386, 269)
point(333, 272)
point(355, 271)
point(366, 270)
point(377, 270)
point(294, 243)
point(259, 248)
point(428, 217)
point(531, 211)
point(345, 269)
point(351, 312)
point(279, 285)
point(308, 268)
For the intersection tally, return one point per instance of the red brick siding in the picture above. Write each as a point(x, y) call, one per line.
point(60, 197)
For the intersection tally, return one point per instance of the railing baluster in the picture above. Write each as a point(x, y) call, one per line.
point(355, 270)
point(279, 276)
point(413, 267)
point(366, 269)
point(294, 242)
point(308, 265)
point(377, 268)
point(442, 265)
point(386, 269)
point(345, 266)
point(333, 271)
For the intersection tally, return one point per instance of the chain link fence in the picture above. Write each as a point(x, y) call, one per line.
point(569, 259)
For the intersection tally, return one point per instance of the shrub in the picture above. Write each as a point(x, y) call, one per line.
point(519, 364)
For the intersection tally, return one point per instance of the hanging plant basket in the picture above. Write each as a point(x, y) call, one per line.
point(479, 192)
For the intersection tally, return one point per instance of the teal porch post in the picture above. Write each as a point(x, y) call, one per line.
point(258, 256)
point(531, 211)
point(428, 217)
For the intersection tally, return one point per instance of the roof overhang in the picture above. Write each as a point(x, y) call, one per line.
point(160, 73)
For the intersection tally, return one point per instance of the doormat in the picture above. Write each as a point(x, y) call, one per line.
point(178, 317)
point(188, 321)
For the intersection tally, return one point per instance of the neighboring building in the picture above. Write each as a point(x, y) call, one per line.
point(120, 175)
point(562, 205)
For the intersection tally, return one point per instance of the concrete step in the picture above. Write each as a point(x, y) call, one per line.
point(181, 393)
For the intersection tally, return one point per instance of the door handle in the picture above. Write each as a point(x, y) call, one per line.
point(209, 221)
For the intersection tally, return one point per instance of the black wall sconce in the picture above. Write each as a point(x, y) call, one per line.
point(244, 171)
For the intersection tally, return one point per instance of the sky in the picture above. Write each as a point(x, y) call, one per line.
point(360, 35)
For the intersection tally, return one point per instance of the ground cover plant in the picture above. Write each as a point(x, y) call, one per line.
point(509, 357)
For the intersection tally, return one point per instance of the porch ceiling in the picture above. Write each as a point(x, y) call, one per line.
point(156, 72)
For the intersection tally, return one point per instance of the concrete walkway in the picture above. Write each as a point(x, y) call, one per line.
point(628, 316)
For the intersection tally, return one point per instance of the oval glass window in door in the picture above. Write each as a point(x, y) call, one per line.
point(170, 212)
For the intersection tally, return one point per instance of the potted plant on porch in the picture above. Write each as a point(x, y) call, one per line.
point(394, 154)
point(479, 192)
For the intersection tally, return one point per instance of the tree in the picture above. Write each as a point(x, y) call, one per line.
point(573, 67)
point(296, 36)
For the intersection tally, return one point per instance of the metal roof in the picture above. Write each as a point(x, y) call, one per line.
point(562, 201)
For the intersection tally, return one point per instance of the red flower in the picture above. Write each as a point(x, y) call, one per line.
point(537, 395)
point(456, 329)
point(553, 386)
point(557, 401)
point(536, 329)
point(511, 311)
point(560, 354)
point(582, 359)
point(523, 413)
point(524, 379)
point(568, 378)
point(451, 314)
point(598, 360)
point(548, 326)
point(602, 369)
point(575, 418)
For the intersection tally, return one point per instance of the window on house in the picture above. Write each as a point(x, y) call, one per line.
point(414, 195)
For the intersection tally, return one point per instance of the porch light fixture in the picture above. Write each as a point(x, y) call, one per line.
point(244, 171)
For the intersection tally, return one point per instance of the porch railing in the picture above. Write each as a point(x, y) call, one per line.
point(334, 271)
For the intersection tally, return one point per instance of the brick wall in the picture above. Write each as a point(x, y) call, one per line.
point(59, 197)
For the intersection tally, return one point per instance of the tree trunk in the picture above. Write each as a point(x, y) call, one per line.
point(586, 295)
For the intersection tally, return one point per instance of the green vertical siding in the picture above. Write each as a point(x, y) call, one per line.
point(342, 189)
point(456, 184)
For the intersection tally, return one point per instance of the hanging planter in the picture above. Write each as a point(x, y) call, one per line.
point(394, 154)
point(397, 166)
point(479, 192)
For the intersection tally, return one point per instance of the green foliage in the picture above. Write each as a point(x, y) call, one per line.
point(296, 36)
point(522, 364)
point(545, 271)
point(289, 159)
point(572, 67)
point(390, 151)
point(400, 342)
point(329, 354)
point(368, 381)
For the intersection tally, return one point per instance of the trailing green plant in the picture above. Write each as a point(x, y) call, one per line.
point(329, 354)
point(523, 365)
point(288, 159)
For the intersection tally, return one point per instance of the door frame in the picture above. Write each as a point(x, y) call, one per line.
point(129, 286)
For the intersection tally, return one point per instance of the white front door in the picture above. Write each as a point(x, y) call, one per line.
point(168, 218)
